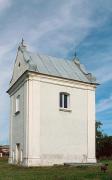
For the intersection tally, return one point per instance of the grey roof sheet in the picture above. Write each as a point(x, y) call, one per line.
point(64, 68)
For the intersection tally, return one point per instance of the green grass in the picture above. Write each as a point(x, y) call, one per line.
point(11, 172)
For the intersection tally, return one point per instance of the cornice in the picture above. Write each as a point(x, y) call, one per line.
point(30, 75)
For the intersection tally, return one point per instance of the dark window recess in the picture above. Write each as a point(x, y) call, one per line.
point(65, 101)
point(61, 96)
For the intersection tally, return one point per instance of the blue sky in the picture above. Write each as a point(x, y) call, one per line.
point(58, 28)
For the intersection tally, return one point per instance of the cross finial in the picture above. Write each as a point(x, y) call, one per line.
point(22, 42)
point(75, 58)
point(22, 46)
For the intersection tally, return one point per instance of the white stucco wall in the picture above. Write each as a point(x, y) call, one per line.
point(47, 135)
point(17, 123)
point(64, 135)
point(57, 136)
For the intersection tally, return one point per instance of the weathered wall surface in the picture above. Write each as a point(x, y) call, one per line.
point(57, 136)
point(67, 136)
point(16, 124)
point(48, 135)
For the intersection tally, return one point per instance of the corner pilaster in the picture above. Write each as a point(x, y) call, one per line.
point(91, 139)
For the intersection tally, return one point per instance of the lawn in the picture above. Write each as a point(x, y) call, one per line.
point(11, 172)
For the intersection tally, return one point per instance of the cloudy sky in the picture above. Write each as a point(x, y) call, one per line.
point(58, 28)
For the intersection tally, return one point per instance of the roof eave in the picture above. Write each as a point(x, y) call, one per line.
point(24, 75)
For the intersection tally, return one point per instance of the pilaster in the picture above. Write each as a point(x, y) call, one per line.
point(91, 147)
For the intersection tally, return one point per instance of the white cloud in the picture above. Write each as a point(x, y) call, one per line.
point(4, 4)
point(104, 104)
point(104, 73)
point(68, 27)
point(5, 49)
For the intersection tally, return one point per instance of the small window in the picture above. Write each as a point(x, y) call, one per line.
point(64, 100)
point(18, 104)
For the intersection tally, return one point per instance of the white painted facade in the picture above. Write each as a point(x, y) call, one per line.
point(42, 133)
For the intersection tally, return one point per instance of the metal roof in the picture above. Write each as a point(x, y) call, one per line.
point(69, 69)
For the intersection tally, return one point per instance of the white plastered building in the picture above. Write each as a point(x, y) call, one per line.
point(52, 111)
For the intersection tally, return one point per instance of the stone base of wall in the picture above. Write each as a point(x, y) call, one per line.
point(50, 160)
point(91, 160)
point(27, 162)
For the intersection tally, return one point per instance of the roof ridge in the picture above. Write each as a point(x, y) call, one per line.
point(42, 54)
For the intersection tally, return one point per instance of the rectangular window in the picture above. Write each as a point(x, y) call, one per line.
point(64, 100)
point(18, 103)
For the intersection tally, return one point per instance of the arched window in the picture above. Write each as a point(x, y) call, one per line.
point(64, 100)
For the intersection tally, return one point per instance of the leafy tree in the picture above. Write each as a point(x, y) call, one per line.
point(99, 132)
point(99, 137)
point(103, 142)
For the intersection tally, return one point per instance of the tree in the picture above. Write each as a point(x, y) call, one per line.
point(103, 142)
point(99, 132)
point(99, 137)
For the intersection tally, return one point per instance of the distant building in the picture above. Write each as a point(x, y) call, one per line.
point(52, 118)
point(4, 150)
